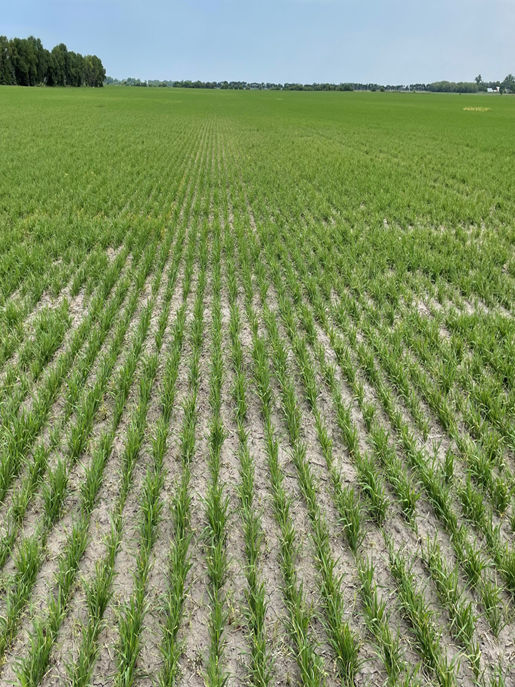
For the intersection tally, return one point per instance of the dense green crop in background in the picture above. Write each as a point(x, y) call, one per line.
point(257, 353)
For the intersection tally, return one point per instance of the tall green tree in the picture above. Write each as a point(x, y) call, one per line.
point(20, 59)
point(38, 61)
point(508, 85)
point(59, 65)
point(7, 76)
point(76, 69)
point(94, 72)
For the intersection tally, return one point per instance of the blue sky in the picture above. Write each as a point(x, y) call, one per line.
point(385, 41)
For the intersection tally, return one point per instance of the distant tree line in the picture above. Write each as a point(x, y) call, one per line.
point(476, 86)
point(240, 85)
point(25, 62)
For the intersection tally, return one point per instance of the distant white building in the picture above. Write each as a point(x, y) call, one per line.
point(493, 90)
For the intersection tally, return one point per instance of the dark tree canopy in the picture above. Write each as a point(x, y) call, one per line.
point(25, 62)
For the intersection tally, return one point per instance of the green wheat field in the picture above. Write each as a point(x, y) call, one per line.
point(257, 354)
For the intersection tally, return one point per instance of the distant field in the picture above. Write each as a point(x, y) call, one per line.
point(257, 354)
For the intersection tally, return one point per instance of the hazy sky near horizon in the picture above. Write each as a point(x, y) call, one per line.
point(383, 41)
